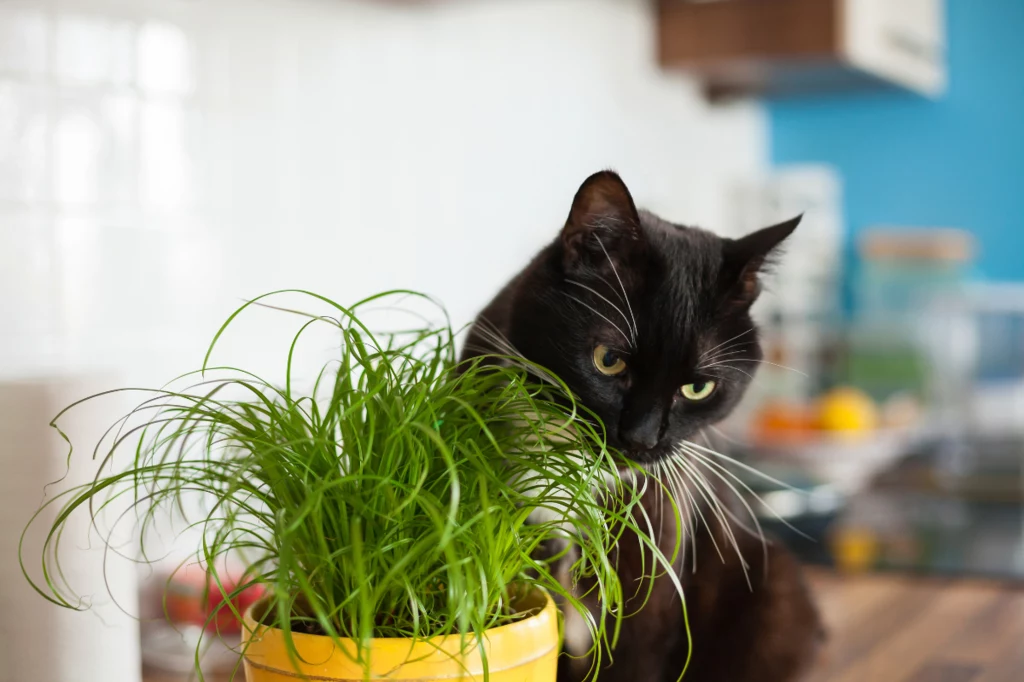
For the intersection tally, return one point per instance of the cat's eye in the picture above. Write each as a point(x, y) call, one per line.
point(698, 390)
point(608, 362)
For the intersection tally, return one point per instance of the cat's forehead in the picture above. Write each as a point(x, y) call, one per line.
point(683, 247)
point(686, 262)
point(682, 295)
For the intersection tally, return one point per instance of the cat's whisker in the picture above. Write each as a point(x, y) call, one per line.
point(611, 288)
point(682, 520)
point(680, 485)
point(733, 346)
point(650, 534)
point(615, 271)
point(738, 336)
point(722, 356)
point(714, 468)
point(496, 334)
point(715, 500)
point(502, 346)
point(749, 489)
point(632, 331)
point(758, 530)
point(757, 497)
point(716, 507)
point(773, 364)
point(661, 497)
point(728, 350)
point(499, 340)
point(680, 489)
point(708, 494)
point(690, 522)
point(497, 345)
point(725, 365)
point(602, 316)
point(741, 465)
point(491, 332)
point(724, 436)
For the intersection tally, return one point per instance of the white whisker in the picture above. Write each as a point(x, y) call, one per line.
point(632, 332)
point(681, 472)
point(500, 345)
point(615, 271)
point(682, 520)
point(680, 489)
point(721, 356)
point(748, 488)
point(716, 506)
point(729, 350)
point(708, 352)
point(724, 365)
point(722, 434)
point(765, 362)
point(661, 497)
point(713, 467)
point(599, 314)
point(611, 288)
point(745, 467)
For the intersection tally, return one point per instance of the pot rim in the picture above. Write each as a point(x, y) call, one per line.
point(251, 626)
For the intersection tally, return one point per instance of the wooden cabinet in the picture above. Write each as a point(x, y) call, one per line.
point(784, 47)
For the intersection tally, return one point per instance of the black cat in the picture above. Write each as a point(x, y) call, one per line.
point(648, 322)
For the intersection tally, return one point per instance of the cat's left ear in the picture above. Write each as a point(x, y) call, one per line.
point(744, 259)
point(603, 227)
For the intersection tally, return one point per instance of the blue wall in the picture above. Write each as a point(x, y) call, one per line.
point(957, 162)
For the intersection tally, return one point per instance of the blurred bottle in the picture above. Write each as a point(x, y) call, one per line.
point(799, 309)
point(906, 335)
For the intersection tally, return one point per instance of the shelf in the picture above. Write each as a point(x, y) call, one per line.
point(779, 48)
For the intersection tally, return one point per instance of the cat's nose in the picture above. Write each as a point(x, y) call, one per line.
point(642, 433)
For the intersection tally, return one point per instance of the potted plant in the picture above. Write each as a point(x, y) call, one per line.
point(393, 505)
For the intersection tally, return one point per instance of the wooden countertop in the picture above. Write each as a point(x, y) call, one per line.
point(898, 628)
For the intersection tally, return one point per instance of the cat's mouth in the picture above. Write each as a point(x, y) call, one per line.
point(653, 455)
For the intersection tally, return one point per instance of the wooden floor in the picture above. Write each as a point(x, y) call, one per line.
point(886, 628)
point(891, 628)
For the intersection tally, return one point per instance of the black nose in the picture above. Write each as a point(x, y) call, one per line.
point(643, 432)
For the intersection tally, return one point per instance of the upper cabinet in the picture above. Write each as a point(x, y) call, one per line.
point(786, 47)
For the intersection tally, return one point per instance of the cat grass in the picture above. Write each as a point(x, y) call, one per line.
point(385, 495)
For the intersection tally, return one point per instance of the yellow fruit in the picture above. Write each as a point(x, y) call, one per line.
point(854, 549)
point(847, 410)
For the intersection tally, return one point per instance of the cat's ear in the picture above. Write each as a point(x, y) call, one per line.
point(603, 224)
point(745, 259)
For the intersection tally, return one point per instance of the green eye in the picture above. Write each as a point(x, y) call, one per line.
point(698, 391)
point(608, 362)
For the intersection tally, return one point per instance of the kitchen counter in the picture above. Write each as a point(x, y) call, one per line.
point(904, 628)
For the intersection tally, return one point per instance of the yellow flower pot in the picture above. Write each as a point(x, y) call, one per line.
point(525, 651)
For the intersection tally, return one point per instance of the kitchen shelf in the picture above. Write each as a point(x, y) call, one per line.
point(778, 48)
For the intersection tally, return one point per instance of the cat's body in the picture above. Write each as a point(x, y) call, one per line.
point(648, 323)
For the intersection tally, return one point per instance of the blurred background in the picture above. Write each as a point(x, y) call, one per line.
point(160, 160)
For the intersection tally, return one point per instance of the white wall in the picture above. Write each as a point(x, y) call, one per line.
point(162, 159)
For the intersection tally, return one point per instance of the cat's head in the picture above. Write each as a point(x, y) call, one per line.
point(647, 321)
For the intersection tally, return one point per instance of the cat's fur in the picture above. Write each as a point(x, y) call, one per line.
point(673, 302)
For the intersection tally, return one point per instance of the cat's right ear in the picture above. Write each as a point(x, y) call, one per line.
point(603, 228)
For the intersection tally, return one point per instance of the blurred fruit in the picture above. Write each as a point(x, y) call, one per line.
point(854, 549)
point(787, 422)
point(847, 410)
point(185, 602)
